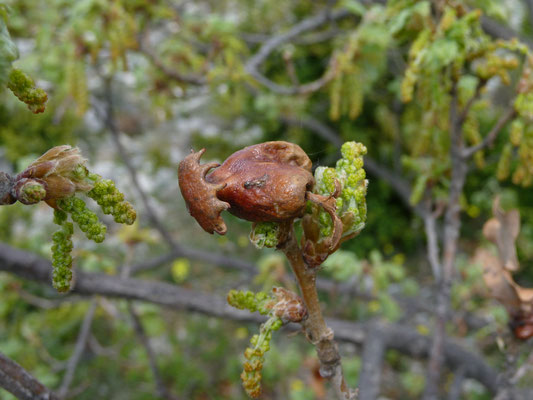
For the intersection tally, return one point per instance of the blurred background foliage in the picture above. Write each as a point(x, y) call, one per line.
point(177, 74)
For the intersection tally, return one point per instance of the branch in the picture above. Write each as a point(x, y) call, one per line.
point(471, 101)
point(20, 383)
point(430, 226)
point(403, 339)
point(253, 64)
point(110, 123)
point(452, 225)
point(491, 136)
point(372, 362)
point(81, 343)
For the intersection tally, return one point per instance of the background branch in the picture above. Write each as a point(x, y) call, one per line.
point(21, 383)
point(398, 337)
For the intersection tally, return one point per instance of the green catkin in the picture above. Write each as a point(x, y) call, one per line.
point(250, 301)
point(24, 88)
point(61, 249)
point(84, 218)
point(112, 202)
point(255, 357)
point(260, 344)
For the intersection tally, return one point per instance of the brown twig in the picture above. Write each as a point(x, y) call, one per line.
point(21, 383)
point(273, 43)
point(320, 335)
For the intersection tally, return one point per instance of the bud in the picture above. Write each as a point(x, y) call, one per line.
point(61, 171)
point(30, 191)
point(289, 307)
point(264, 234)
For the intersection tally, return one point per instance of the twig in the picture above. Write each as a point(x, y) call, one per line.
point(81, 343)
point(169, 72)
point(253, 64)
point(21, 383)
point(471, 101)
point(372, 362)
point(315, 327)
point(162, 390)
point(491, 136)
point(111, 125)
point(403, 339)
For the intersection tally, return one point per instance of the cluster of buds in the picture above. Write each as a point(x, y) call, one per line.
point(55, 178)
point(282, 307)
point(338, 212)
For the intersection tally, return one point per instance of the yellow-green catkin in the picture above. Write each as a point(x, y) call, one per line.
point(24, 88)
point(111, 200)
point(61, 253)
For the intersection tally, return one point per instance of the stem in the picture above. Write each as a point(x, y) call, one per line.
point(315, 327)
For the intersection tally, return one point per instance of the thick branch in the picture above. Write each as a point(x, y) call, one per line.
point(400, 338)
point(19, 382)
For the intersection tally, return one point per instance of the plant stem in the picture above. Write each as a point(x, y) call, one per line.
point(315, 327)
